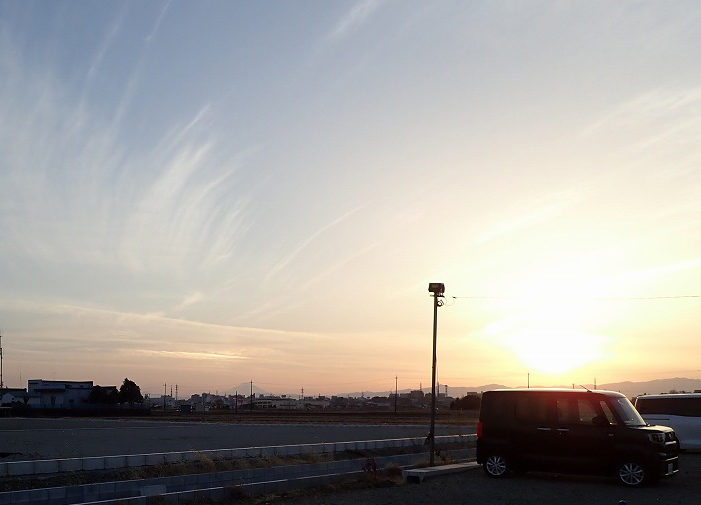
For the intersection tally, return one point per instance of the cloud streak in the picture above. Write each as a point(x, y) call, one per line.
point(353, 19)
point(314, 236)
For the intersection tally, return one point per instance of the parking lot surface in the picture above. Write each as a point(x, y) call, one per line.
point(474, 487)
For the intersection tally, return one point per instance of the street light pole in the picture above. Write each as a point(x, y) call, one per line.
point(437, 289)
point(2, 384)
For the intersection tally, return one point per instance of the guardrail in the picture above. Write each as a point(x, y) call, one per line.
point(56, 466)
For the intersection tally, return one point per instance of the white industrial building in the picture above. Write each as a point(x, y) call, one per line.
point(58, 394)
point(276, 402)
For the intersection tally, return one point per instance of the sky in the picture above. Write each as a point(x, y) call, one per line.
point(205, 194)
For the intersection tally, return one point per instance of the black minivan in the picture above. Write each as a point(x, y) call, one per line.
point(567, 430)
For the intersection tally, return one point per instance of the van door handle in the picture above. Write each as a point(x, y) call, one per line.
point(543, 428)
point(563, 430)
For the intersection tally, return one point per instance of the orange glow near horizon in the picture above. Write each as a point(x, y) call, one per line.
point(550, 330)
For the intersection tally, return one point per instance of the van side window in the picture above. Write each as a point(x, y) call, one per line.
point(533, 410)
point(576, 411)
point(586, 411)
point(689, 407)
point(562, 405)
point(676, 406)
point(608, 413)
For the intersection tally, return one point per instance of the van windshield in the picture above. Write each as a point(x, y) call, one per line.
point(629, 415)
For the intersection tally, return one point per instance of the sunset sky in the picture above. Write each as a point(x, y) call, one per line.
point(211, 193)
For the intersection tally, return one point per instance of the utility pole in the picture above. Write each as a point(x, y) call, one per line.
point(2, 384)
point(165, 386)
point(251, 396)
point(302, 397)
point(437, 289)
point(176, 392)
point(396, 391)
point(236, 401)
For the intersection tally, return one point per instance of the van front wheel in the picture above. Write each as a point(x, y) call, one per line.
point(496, 466)
point(631, 473)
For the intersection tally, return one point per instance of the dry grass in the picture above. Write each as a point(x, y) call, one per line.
point(391, 476)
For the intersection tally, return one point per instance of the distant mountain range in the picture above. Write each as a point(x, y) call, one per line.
point(628, 388)
point(652, 387)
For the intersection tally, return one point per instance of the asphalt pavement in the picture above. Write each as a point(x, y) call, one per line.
point(35, 438)
point(474, 487)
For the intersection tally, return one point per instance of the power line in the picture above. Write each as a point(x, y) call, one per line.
point(674, 297)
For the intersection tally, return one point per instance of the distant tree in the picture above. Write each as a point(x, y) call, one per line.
point(468, 402)
point(130, 392)
point(101, 395)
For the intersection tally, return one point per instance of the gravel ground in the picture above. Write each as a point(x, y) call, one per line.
point(473, 487)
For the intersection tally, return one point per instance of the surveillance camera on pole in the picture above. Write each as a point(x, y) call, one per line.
point(437, 288)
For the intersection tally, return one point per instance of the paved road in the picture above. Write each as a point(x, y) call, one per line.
point(23, 439)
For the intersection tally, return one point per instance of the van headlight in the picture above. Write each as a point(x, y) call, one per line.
point(656, 438)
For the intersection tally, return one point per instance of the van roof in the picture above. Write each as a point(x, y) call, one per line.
point(671, 395)
point(561, 390)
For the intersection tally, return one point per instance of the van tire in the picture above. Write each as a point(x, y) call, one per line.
point(496, 466)
point(631, 473)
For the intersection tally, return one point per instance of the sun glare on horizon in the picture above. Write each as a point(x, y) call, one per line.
point(550, 335)
point(554, 351)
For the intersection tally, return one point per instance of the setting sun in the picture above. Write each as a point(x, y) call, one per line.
point(555, 351)
point(548, 334)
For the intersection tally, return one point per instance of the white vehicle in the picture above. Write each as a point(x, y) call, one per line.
point(681, 412)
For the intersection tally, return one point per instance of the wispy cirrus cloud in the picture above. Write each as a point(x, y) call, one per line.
point(661, 116)
point(197, 355)
point(72, 192)
point(159, 20)
point(353, 19)
point(523, 218)
point(296, 251)
point(190, 300)
point(107, 41)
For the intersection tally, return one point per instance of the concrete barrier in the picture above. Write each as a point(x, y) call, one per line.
point(46, 467)
point(69, 465)
point(135, 460)
point(419, 474)
point(17, 468)
point(93, 463)
point(115, 462)
point(172, 457)
point(292, 475)
point(153, 459)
